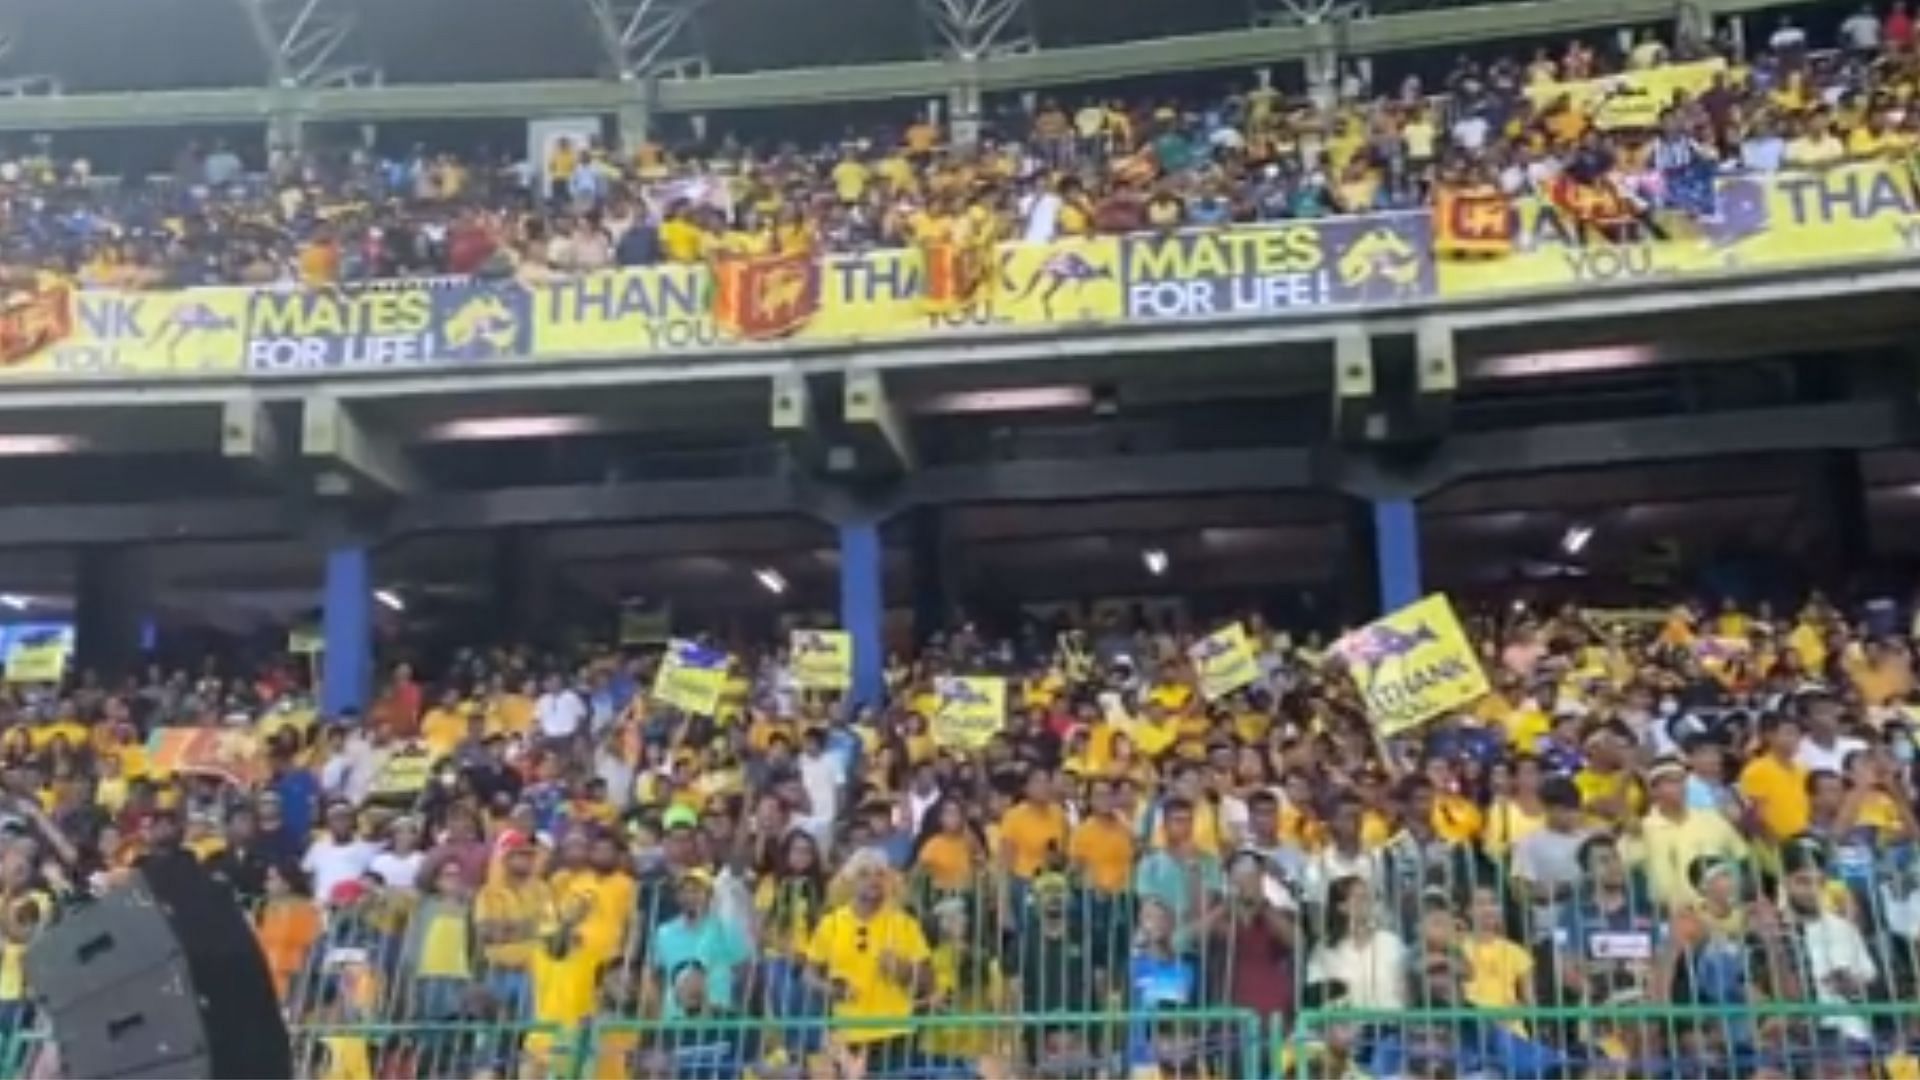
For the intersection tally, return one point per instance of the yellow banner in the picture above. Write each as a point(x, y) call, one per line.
point(971, 710)
point(61, 331)
point(1633, 99)
point(823, 659)
point(1224, 662)
point(880, 295)
point(40, 658)
point(1851, 213)
point(691, 677)
point(1413, 665)
point(404, 774)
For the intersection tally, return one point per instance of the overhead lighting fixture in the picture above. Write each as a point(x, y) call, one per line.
point(506, 428)
point(14, 601)
point(1566, 362)
point(1156, 560)
point(390, 599)
point(1016, 399)
point(40, 445)
point(771, 580)
point(1576, 539)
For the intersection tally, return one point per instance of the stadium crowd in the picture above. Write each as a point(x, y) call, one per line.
point(1049, 168)
point(1709, 814)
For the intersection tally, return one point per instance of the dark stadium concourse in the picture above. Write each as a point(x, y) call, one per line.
point(734, 495)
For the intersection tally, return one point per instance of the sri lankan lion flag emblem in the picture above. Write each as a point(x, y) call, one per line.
point(958, 274)
point(761, 297)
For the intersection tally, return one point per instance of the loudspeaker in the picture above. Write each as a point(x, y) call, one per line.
point(161, 977)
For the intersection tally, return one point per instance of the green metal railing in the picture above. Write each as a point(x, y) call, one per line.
point(1758, 1039)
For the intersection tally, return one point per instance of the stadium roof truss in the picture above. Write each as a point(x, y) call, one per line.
point(644, 39)
point(970, 30)
point(308, 39)
point(305, 43)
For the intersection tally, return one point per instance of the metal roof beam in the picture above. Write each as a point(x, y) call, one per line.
point(867, 82)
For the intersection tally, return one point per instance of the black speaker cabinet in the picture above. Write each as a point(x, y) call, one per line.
point(161, 977)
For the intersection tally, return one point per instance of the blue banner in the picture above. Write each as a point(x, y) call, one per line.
point(397, 325)
point(1277, 269)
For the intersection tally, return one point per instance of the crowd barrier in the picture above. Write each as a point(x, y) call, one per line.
point(1852, 213)
point(1523, 983)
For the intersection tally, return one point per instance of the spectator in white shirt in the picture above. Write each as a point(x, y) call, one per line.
point(339, 856)
point(1861, 31)
point(399, 865)
point(559, 711)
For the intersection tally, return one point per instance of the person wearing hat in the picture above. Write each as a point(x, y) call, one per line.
point(697, 935)
point(1674, 835)
point(507, 917)
point(869, 958)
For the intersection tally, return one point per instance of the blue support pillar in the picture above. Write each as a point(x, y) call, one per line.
point(1396, 548)
point(347, 623)
point(863, 608)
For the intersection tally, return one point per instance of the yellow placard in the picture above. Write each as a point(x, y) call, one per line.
point(691, 677)
point(38, 658)
point(822, 659)
point(306, 641)
point(620, 314)
point(1413, 665)
point(971, 709)
point(1781, 221)
point(1633, 99)
point(59, 331)
point(1224, 662)
point(405, 774)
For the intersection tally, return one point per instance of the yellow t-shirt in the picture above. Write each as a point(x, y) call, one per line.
point(1780, 794)
point(500, 902)
point(1507, 824)
point(442, 730)
point(443, 946)
point(1031, 833)
point(1102, 849)
point(947, 861)
point(682, 241)
point(1496, 969)
point(850, 180)
point(609, 902)
point(849, 948)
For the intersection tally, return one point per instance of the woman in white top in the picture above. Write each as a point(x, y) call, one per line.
point(1368, 960)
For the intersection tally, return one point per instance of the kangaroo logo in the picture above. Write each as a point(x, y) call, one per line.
point(1067, 269)
point(482, 327)
point(191, 322)
point(1380, 256)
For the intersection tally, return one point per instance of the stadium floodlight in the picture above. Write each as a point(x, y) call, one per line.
point(1156, 560)
point(1576, 539)
point(390, 600)
point(15, 601)
point(771, 580)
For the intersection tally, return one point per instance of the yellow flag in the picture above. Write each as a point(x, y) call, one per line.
point(1224, 660)
point(691, 677)
point(1413, 665)
point(970, 710)
point(822, 659)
